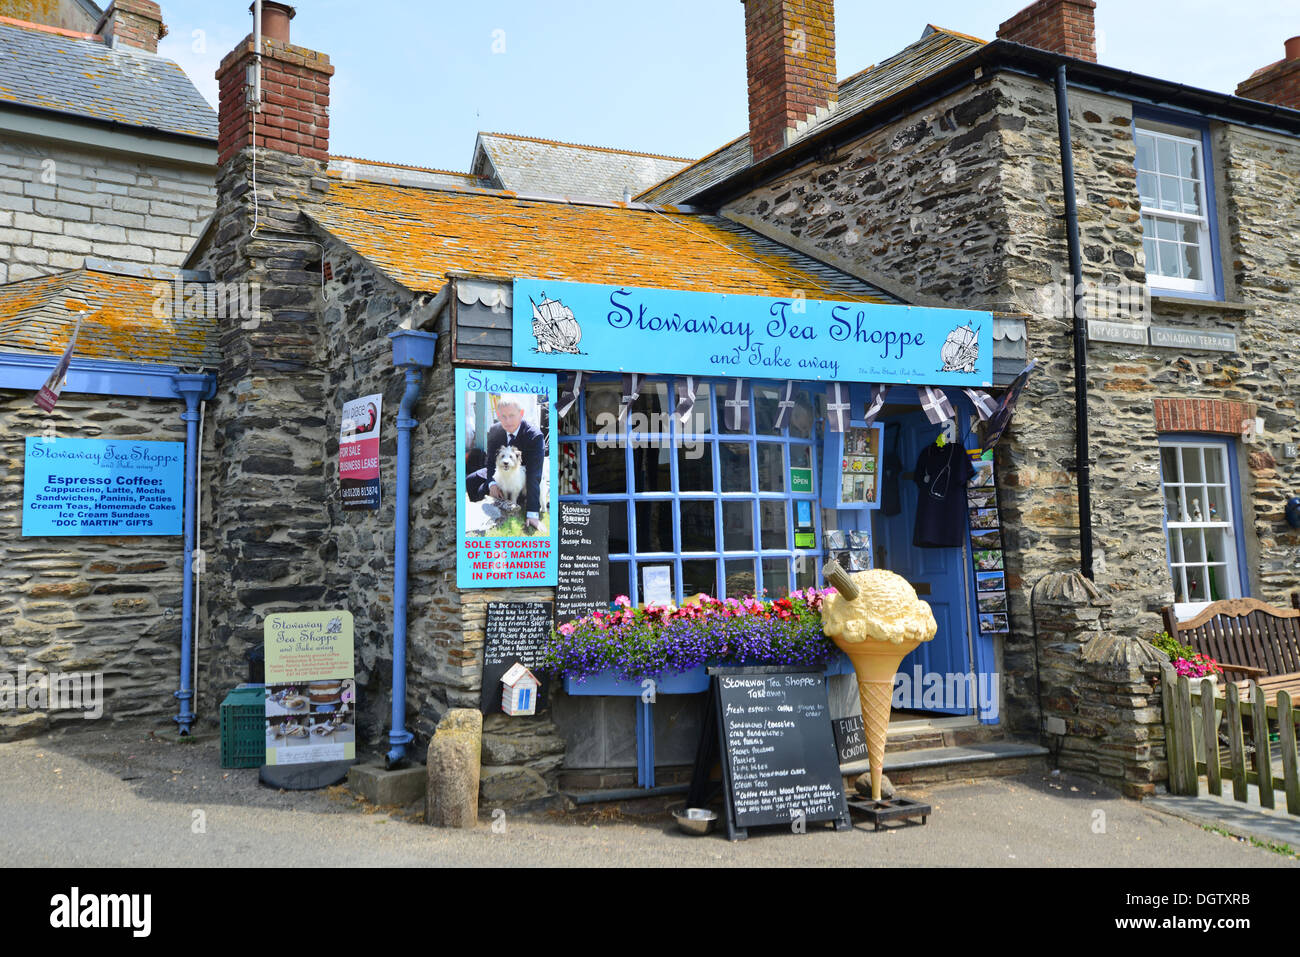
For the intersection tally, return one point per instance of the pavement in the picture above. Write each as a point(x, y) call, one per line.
point(125, 795)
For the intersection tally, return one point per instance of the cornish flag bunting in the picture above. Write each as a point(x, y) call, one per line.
point(1001, 417)
point(985, 404)
point(936, 406)
point(685, 398)
point(631, 391)
point(878, 393)
point(569, 393)
point(837, 407)
point(785, 406)
point(48, 395)
point(735, 405)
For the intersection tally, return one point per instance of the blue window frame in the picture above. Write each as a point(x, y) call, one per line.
point(1202, 520)
point(1180, 232)
point(713, 504)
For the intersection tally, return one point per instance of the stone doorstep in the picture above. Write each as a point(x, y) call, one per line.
point(969, 758)
point(383, 787)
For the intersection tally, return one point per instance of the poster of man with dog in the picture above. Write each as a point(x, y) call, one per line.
point(506, 499)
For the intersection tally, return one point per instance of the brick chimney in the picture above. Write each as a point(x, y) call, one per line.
point(790, 62)
point(268, 418)
point(1059, 26)
point(1279, 82)
point(295, 94)
point(133, 23)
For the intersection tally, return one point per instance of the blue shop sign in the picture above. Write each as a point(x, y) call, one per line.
point(569, 325)
point(103, 487)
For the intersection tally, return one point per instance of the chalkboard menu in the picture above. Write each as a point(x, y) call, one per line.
point(582, 585)
point(516, 631)
point(850, 739)
point(780, 764)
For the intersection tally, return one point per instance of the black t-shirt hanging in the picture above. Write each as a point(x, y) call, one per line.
point(941, 476)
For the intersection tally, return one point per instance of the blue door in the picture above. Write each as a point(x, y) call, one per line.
point(939, 575)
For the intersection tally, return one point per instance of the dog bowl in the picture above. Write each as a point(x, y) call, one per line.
point(695, 820)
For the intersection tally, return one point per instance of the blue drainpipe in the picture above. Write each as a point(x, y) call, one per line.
point(412, 351)
point(193, 388)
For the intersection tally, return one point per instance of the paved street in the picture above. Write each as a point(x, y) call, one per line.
point(121, 797)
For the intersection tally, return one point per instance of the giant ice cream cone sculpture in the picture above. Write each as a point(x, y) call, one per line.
point(876, 619)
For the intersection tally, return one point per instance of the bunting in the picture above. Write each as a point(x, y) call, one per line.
point(631, 391)
point(48, 395)
point(877, 402)
point(785, 406)
point(935, 405)
point(985, 404)
point(685, 398)
point(1001, 417)
point(569, 393)
point(735, 405)
point(837, 407)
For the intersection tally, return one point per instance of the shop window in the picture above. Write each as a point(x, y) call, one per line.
point(1202, 521)
point(1176, 194)
point(711, 503)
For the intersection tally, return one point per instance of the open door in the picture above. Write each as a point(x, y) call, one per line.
point(939, 575)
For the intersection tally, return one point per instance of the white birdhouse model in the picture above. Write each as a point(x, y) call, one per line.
point(519, 691)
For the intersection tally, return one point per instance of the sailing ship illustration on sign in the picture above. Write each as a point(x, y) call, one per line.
point(554, 327)
point(961, 350)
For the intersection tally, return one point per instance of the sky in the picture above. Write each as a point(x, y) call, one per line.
point(415, 81)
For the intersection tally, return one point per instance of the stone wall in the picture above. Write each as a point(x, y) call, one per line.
point(60, 203)
point(88, 604)
point(961, 204)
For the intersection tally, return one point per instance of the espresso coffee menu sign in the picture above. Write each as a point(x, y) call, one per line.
point(583, 574)
point(516, 631)
point(781, 765)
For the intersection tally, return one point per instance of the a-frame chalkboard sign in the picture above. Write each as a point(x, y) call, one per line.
point(769, 728)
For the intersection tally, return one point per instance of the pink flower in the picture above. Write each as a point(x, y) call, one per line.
point(567, 628)
point(623, 601)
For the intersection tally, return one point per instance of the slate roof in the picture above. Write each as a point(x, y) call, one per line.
point(418, 235)
point(38, 315)
point(84, 77)
point(527, 164)
point(936, 49)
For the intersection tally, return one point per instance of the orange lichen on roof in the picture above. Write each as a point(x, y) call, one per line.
point(419, 235)
point(124, 318)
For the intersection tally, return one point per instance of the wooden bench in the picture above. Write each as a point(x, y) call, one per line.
point(1249, 639)
point(1252, 641)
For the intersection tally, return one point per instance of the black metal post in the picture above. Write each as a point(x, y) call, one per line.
point(1082, 472)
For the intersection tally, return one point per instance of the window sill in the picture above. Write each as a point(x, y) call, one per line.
point(1216, 305)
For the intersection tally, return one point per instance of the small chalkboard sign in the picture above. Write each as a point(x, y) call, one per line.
point(779, 765)
point(582, 583)
point(850, 739)
point(515, 632)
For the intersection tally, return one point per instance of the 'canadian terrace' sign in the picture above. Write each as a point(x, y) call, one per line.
point(567, 325)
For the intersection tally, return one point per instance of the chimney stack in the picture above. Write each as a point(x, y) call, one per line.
point(294, 115)
point(790, 62)
point(134, 23)
point(1058, 26)
point(1278, 83)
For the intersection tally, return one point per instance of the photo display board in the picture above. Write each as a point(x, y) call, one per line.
point(310, 687)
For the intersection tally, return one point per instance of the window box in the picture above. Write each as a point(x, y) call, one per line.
point(693, 681)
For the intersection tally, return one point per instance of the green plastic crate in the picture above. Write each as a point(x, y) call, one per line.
point(243, 728)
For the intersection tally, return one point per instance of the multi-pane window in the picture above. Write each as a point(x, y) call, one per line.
point(713, 504)
point(1200, 518)
point(1175, 211)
